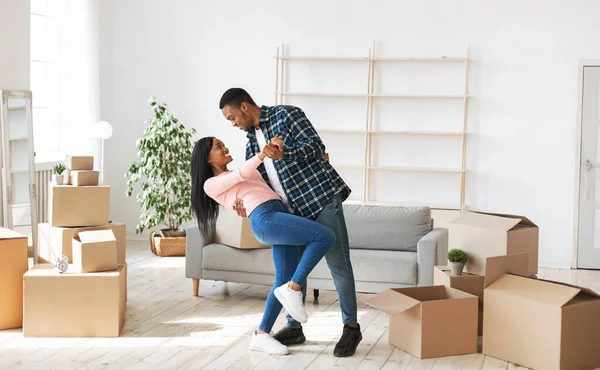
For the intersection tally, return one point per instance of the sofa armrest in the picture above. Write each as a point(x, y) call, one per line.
point(431, 251)
point(194, 243)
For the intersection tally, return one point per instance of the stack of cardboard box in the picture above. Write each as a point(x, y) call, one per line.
point(496, 244)
point(524, 320)
point(88, 300)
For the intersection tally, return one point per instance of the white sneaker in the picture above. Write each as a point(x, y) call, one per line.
point(291, 300)
point(266, 343)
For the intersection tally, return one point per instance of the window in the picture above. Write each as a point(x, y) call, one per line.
point(45, 77)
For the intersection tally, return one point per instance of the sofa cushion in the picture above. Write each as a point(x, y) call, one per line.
point(386, 228)
point(223, 257)
point(376, 266)
point(368, 265)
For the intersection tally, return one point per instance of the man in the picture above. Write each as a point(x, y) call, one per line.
point(310, 186)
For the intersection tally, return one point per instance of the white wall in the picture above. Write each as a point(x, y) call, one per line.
point(14, 44)
point(523, 85)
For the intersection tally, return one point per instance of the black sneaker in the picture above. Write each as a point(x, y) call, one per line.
point(348, 342)
point(290, 336)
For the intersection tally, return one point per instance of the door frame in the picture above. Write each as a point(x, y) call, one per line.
point(577, 172)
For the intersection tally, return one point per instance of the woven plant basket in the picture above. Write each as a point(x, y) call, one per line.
point(166, 246)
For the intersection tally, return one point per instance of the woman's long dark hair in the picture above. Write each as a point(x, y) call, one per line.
point(204, 207)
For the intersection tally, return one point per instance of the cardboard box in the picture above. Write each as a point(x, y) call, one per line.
point(54, 241)
point(73, 304)
point(124, 281)
point(84, 178)
point(94, 251)
point(77, 206)
point(475, 284)
point(433, 321)
point(484, 235)
point(82, 163)
point(468, 283)
point(235, 231)
point(13, 264)
point(541, 324)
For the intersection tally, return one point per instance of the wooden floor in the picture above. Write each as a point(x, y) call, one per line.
point(168, 328)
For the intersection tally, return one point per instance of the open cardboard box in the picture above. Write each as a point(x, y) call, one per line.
point(95, 251)
point(541, 324)
point(13, 264)
point(433, 321)
point(235, 231)
point(475, 284)
point(484, 235)
point(54, 241)
point(468, 283)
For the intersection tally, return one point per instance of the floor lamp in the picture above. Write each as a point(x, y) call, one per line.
point(104, 131)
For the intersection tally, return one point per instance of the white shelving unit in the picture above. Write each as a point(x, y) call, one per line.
point(368, 166)
point(19, 192)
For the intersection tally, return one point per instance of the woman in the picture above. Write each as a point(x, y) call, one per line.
point(271, 223)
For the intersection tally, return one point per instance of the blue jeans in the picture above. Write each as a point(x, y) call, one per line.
point(272, 224)
point(338, 261)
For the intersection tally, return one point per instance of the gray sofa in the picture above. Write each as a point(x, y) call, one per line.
point(390, 247)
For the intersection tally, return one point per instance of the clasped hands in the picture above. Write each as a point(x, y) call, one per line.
point(273, 150)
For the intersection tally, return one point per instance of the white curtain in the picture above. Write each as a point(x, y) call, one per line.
point(79, 101)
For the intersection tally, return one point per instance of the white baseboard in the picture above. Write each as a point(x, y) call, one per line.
point(562, 267)
point(138, 237)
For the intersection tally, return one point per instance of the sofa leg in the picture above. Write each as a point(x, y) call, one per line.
point(196, 286)
point(316, 294)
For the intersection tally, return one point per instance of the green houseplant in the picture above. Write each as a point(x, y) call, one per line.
point(456, 261)
point(163, 171)
point(58, 178)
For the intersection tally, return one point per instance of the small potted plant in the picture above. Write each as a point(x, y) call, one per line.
point(58, 178)
point(456, 261)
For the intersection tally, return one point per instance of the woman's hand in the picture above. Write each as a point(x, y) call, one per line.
point(268, 151)
point(273, 149)
point(277, 143)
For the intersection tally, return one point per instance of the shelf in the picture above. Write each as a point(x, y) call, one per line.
point(361, 95)
point(415, 169)
point(390, 132)
point(18, 138)
point(421, 96)
point(399, 168)
point(370, 133)
point(375, 59)
point(341, 131)
point(423, 59)
point(349, 166)
point(404, 204)
point(325, 59)
point(429, 133)
point(342, 95)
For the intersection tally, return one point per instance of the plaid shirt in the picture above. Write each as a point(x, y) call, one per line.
point(309, 182)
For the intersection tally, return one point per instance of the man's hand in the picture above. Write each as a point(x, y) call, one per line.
point(326, 157)
point(268, 151)
point(277, 143)
point(238, 206)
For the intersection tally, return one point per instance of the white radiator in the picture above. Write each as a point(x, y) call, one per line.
point(42, 179)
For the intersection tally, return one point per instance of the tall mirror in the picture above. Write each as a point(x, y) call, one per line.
point(18, 180)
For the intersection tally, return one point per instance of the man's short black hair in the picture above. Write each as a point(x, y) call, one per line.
point(235, 97)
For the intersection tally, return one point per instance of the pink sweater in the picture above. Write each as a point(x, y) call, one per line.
point(245, 183)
